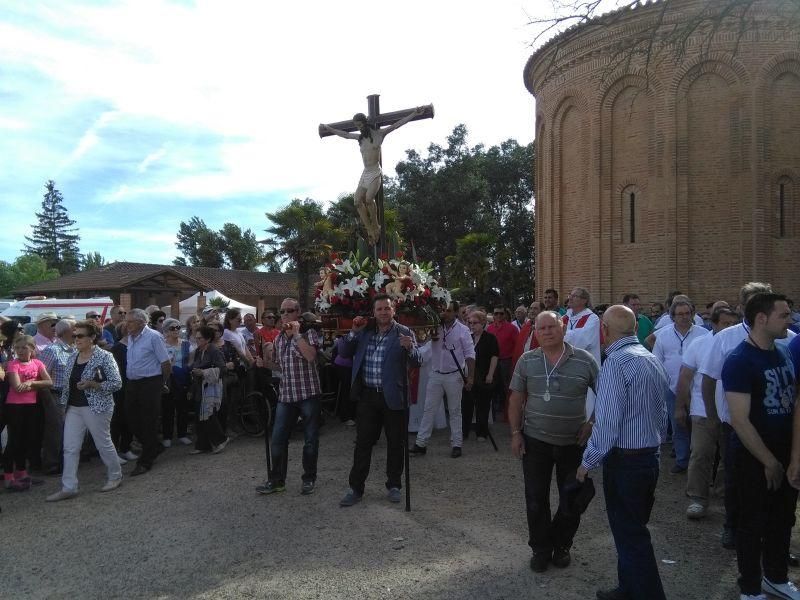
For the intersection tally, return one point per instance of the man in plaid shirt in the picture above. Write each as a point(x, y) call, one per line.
point(295, 354)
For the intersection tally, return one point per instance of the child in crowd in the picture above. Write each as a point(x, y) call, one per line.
point(25, 375)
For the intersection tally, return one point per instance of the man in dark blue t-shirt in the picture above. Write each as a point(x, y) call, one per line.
point(760, 388)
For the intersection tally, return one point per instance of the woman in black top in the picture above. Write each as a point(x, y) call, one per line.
point(208, 371)
point(479, 397)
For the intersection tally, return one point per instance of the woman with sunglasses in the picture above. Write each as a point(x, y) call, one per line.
point(479, 398)
point(174, 403)
point(207, 371)
point(89, 396)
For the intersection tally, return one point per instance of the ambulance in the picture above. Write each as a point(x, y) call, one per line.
point(28, 309)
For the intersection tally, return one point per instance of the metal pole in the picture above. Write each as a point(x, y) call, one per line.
point(406, 461)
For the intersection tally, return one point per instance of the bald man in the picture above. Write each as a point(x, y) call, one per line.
point(630, 423)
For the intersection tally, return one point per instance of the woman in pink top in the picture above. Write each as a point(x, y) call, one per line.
point(25, 375)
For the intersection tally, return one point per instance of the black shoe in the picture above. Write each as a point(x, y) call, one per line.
point(139, 470)
point(614, 594)
point(561, 558)
point(418, 450)
point(53, 471)
point(729, 539)
point(456, 452)
point(539, 562)
point(677, 469)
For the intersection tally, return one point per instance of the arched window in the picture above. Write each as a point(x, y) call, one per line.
point(784, 208)
point(631, 208)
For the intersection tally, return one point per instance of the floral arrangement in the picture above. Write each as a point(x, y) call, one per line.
point(347, 285)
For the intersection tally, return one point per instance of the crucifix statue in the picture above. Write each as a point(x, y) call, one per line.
point(369, 130)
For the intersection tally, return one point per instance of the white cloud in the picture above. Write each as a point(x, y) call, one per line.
point(213, 100)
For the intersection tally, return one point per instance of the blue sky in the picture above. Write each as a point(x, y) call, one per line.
point(149, 112)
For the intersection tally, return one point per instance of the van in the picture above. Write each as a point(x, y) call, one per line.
point(6, 302)
point(27, 310)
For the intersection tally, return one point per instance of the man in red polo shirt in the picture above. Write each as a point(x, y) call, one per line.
point(506, 334)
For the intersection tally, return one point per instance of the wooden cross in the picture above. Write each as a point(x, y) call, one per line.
point(378, 119)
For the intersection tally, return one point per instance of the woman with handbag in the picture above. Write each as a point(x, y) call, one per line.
point(208, 371)
point(478, 399)
point(89, 397)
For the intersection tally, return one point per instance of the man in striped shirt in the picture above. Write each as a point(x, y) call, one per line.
point(630, 423)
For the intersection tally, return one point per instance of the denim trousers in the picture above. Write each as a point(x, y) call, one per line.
point(629, 485)
point(286, 414)
point(546, 533)
point(680, 435)
point(766, 518)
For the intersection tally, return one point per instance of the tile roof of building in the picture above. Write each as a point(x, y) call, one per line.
point(117, 276)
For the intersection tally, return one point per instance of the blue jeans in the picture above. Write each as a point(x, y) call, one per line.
point(629, 485)
point(680, 435)
point(286, 414)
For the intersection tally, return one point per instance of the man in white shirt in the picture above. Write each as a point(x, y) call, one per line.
point(669, 347)
point(713, 395)
point(583, 326)
point(665, 318)
point(706, 433)
point(451, 354)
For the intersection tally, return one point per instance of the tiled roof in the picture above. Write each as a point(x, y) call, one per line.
point(119, 275)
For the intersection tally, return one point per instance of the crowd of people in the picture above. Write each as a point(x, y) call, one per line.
point(580, 387)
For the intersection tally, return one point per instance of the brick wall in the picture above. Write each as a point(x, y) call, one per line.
point(705, 144)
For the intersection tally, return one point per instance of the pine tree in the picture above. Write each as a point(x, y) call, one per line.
point(54, 237)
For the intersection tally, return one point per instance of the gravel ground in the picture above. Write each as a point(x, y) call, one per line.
point(194, 527)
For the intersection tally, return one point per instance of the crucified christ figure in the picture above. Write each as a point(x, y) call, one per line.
point(370, 139)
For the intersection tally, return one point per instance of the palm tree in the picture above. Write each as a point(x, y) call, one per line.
point(303, 237)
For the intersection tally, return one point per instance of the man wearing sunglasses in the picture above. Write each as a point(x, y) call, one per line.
point(45, 330)
point(107, 340)
point(117, 316)
point(295, 354)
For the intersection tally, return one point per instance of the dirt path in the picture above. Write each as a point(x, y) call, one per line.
point(194, 528)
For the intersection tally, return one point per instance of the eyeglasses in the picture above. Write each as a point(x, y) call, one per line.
point(161, 320)
point(270, 317)
point(80, 336)
point(473, 322)
point(175, 328)
point(53, 324)
point(92, 316)
point(122, 313)
point(283, 311)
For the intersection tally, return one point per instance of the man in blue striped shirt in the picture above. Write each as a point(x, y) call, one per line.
point(630, 422)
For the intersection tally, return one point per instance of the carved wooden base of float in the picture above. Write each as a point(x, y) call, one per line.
point(423, 323)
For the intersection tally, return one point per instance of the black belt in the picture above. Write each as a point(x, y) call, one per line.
point(374, 390)
point(633, 451)
point(446, 372)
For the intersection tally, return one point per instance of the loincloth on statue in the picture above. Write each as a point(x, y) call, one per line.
point(369, 175)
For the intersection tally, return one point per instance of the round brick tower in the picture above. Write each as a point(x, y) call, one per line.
point(681, 173)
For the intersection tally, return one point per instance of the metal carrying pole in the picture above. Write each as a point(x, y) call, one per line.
point(464, 378)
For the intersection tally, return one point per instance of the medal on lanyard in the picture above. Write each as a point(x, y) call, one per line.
point(549, 374)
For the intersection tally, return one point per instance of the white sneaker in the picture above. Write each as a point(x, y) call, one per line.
point(129, 456)
point(696, 511)
point(166, 443)
point(185, 440)
point(786, 590)
point(61, 495)
point(111, 484)
point(221, 447)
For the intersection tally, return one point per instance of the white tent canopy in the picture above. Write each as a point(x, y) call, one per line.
point(188, 307)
